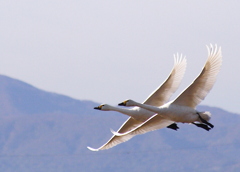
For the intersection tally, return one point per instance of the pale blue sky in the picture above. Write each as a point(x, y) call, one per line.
point(108, 51)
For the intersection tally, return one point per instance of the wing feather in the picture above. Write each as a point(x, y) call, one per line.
point(153, 123)
point(201, 86)
point(163, 93)
point(129, 124)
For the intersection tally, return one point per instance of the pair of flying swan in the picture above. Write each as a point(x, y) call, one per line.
point(158, 112)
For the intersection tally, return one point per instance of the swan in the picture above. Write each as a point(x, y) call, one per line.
point(138, 115)
point(183, 108)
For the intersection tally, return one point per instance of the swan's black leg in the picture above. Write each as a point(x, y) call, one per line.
point(204, 121)
point(204, 126)
point(173, 126)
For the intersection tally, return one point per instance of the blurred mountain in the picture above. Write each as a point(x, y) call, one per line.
point(42, 131)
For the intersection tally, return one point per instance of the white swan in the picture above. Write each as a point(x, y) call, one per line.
point(138, 115)
point(182, 109)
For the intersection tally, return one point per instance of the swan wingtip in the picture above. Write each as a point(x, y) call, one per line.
point(92, 149)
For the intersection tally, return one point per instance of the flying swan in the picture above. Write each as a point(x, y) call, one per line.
point(138, 115)
point(182, 109)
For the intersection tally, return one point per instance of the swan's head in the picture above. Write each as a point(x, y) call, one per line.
point(103, 107)
point(127, 103)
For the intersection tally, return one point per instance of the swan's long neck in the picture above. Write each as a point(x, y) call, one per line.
point(127, 112)
point(149, 107)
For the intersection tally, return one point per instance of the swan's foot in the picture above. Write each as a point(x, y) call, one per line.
point(173, 126)
point(204, 126)
point(204, 121)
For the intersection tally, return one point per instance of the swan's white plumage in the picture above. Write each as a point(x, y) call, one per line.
point(182, 109)
point(160, 96)
point(200, 87)
point(163, 93)
point(155, 122)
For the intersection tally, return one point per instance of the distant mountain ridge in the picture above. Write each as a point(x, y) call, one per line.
point(44, 132)
point(26, 99)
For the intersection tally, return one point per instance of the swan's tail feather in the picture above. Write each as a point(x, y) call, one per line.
point(205, 115)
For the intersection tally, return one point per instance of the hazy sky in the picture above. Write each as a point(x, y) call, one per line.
point(108, 51)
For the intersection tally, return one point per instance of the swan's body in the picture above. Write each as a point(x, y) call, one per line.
point(182, 109)
point(138, 115)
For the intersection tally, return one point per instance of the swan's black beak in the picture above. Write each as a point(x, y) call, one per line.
point(98, 108)
point(122, 104)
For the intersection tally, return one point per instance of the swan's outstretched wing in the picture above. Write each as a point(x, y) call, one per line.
point(130, 124)
point(163, 93)
point(153, 123)
point(157, 98)
point(200, 87)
